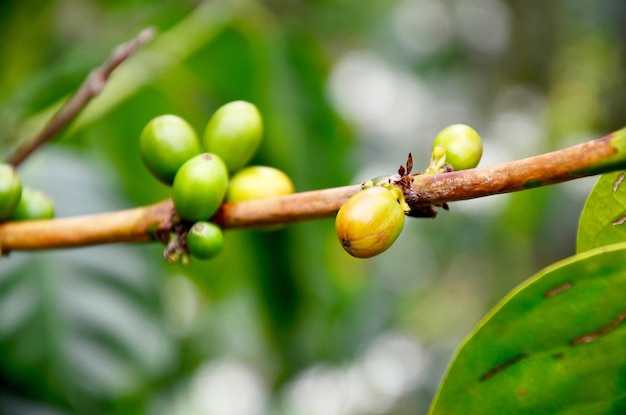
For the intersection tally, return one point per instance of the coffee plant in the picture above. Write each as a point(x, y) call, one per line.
point(222, 260)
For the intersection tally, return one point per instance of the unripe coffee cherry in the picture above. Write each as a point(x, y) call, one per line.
point(166, 142)
point(10, 190)
point(33, 204)
point(199, 187)
point(369, 222)
point(234, 133)
point(462, 144)
point(257, 182)
point(205, 240)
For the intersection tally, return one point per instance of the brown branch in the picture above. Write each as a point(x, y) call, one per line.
point(297, 207)
point(141, 224)
point(131, 225)
point(587, 159)
point(91, 86)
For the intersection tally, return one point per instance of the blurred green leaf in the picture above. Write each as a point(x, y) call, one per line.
point(553, 345)
point(83, 324)
point(83, 321)
point(82, 327)
point(168, 50)
point(603, 219)
point(16, 406)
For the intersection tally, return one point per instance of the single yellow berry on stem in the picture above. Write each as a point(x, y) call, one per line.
point(258, 182)
point(369, 222)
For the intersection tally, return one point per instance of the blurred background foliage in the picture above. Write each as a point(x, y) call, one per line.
point(285, 322)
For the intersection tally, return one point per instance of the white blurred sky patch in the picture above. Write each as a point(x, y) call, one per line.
point(422, 27)
point(227, 387)
point(383, 102)
point(390, 367)
point(484, 26)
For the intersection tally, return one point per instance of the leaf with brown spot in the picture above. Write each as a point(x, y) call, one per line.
point(603, 219)
point(559, 338)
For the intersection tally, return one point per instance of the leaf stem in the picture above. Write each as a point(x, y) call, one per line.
point(141, 224)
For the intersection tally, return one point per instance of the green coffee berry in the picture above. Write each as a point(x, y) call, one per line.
point(10, 190)
point(234, 133)
point(462, 145)
point(33, 204)
point(199, 187)
point(369, 222)
point(166, 142)
point(257, 182)
point(205, 240)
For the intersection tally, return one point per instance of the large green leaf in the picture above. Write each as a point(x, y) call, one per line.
point(603, 220)
point(554, 345)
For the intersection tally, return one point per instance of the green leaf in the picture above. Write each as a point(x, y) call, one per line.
point(79, 327)
point(82, 320)
point(553, 345)
point(603, 220)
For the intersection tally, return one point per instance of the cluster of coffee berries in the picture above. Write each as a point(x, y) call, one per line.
point(18, 202)
point(370, 221)
point(204, 172)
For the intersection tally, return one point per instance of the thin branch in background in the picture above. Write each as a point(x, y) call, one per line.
point(92, 86)
point(141, 224)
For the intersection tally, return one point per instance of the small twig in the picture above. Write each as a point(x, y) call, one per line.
point(91, 86)
point(145, 223)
